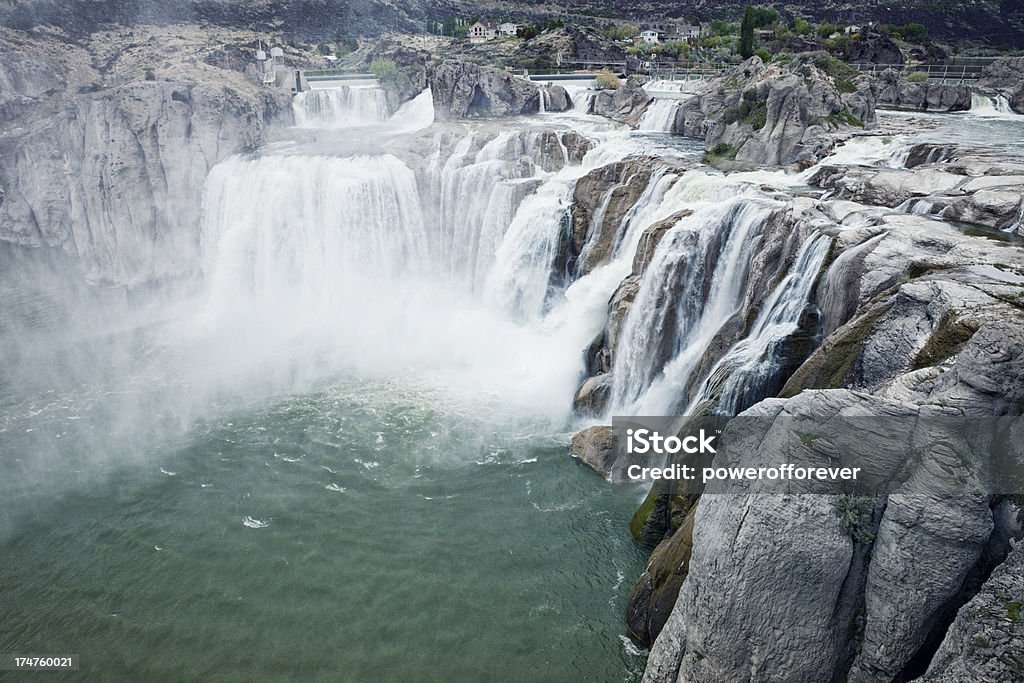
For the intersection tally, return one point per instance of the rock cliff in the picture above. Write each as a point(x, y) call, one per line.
point(463, 90)
point(895, 91)
point(115, 175)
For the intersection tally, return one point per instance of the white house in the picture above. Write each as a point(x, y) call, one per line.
point(507, 28)
point(482, 31)
point(649, 36)
point(852, 29)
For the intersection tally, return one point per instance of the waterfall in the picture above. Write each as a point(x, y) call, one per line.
point(318, 228)
point(991, 106)
point(693, 286)
point(340, 107)
point(744, 375)
point(660, 116)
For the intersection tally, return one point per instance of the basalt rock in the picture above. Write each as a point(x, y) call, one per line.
point(895, 91)
point(1006, 75)
point(111, 176)
point(626, 104)
point(463, 90)
point(594, 447)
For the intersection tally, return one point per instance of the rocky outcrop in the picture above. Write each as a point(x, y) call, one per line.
point(986, 640)
point(771, 115)
point(933, 327)
point(1006, 75)
point(115, 176)
point(463, 90)
point(595, 447)
point(873, 47)
point(897, 92)
point(555, 98)
point(411, 66)
point(978, 193)
point(24, 81)
point(625, 104)
point(601, 200)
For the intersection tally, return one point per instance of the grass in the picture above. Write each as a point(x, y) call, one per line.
point(751, 111)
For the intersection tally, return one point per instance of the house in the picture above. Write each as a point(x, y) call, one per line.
point(852, 29)
point(765, 33)
point(650, 36)
point(684, 31)
point(507, 28)
point(482, 31)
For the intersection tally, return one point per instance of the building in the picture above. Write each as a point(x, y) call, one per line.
point(650, 36)
point(507, 28)
point(482, 31)
point(684, 31)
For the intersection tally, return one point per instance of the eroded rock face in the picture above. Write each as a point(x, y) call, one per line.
point(933, 327)
point(626, 104)
point(1006, 75)
point(775, 114)
point(555, 98)
point(113, 177)
point(896, 91)
point(24, 80)
point(462, 90)
point(986, 640)
point(873, 47)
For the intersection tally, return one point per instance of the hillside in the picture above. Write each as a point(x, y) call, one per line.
point(998, 23)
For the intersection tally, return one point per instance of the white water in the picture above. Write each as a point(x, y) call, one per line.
point(345, 106)
point(741, 376)
point(660, 116)
point(693, 285)
point(991, 106)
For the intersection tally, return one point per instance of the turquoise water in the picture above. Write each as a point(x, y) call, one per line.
point(362, 531)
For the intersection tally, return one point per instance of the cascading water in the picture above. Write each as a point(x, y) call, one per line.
point(693, 285)
point(745, 373)
point(991, 106)
point(660, 116)
point(344, 106)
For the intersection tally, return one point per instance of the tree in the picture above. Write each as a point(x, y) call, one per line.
point(747, 33)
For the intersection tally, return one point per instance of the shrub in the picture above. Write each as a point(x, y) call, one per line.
point(385, 70)
point(917, 77)
point(856, 514)
point(149, 75)
point(720, 151)
point(607, 80)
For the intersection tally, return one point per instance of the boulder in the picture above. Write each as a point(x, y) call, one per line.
point(595, 447)
point(463, 90)
point(873, 47)
point(555, 98)
point(625, 104)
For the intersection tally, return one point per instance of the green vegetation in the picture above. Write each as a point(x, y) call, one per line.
point(752, 111)
point(1013, 611)
point(747, 33)
point(856, 514)
point(386, 72)
point(719, 152)
point(607, 80)
point(802, 27)
point(842, 73)
point(918, 77)
point(912, 33)
point(620, 31)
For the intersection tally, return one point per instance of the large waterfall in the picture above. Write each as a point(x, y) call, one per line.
point(343, 106)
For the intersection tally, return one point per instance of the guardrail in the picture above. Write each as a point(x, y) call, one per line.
point(944, 73)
